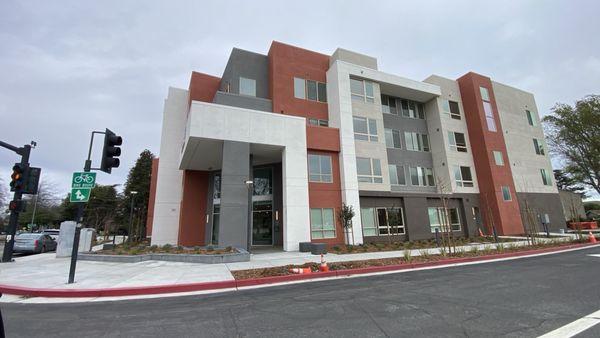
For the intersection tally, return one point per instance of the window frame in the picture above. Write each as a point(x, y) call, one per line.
point(454, 144)
point(364, 97)
point(488, 110)
point(385, 102)
point(391, 136)
point(495, 153)
point(538, 147)
point(323, 230)
point(506, 191)
point(321, 177)
point(424, 175)
point(397, 168)
point(371, 177)
point(253, 81)
point(530, 118)
point(320, 88)
point(369, 136)
point(417, 113)
point(546, 179)
point(388, 226)
point(441, 217)
point(297, 86)
point(459, 176)
point(317, 122)
point(421, 140)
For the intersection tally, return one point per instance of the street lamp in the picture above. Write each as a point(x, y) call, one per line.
point(132, 193)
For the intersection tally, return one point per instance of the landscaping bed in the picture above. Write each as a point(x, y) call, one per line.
point(142, 249)
point(421, 244)
point(407, 259)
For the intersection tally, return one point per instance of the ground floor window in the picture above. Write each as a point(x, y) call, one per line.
point(438, 219)
point(382, 221)
point(215, 224)
point(322, 223)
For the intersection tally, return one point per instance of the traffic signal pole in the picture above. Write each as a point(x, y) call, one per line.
point(14, 214)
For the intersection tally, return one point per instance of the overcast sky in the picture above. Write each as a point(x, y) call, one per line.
point(70, 67)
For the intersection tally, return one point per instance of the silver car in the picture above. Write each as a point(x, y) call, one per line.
point(34, 243)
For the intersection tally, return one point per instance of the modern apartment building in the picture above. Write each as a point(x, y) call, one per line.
point(267, 154)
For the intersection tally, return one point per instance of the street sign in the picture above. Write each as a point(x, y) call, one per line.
point(80, 195)
point(85, 180)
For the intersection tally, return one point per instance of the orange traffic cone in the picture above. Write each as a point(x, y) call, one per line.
point(301, 270)
point(323, 267)
point(592, 238)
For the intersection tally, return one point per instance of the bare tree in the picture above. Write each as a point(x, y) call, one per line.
point(445, 223)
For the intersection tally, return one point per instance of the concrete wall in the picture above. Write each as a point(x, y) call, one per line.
point(246, 64)
point(519, 135)
point(168, 186)
point(572, 205)
point(354, 58)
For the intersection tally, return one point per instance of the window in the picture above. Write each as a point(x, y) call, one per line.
point(413, 110)
point(397, 174)
point(382, 221)
point(538, 145)
point(530, 118)
point(392, 138)
point(416, 141)
point(299, 88)
point(487, 108)
point(388, 105)
point(451, 108)
point(217, 186)
point(318, 122)
point(369, 170)
point(546, 177)
point(310, 90)
point(247, 86)
point(498, 158)
point(263, 178)
point(443, 219)
point(457, 141)
point(361, 90)
point(506, 193)
point(319, 168)
point(365, 129)
point(485, 95)
point(322, 224)
point(367, 217)
point(420, 176)
point(462, 176)
point(390, 221)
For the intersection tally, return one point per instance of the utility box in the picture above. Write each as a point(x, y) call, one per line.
point(65, 239)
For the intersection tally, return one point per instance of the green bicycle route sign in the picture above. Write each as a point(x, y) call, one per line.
point(81, 186)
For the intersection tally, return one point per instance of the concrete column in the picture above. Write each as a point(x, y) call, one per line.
point(235, 171)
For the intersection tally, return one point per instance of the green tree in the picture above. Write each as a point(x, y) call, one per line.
point(566, 182)
point(574, 135)
point(591, 206)
point(42, 209)
point(138, 180)
point(99, 213)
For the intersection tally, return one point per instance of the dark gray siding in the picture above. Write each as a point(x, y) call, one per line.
point(246, 64)
point(242, 101)
point(542, 203)
point(405, 157)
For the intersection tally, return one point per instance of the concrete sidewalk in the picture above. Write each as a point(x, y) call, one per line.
point(46, 271)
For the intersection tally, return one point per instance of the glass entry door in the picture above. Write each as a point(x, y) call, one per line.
point(262, 223)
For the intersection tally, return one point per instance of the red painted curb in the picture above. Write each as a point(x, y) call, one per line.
point(161, 289)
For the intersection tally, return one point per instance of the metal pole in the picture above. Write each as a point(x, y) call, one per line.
point(130, 218)
point(14, 214)
point(75, 243)
point(33, 214)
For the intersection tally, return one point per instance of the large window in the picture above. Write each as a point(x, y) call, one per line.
point(318, 122)
point(451, 108)
point(382, 221)
point(369, 170)
point(546, 177)
point(457, 141)
point(443, 219)
point(388, 104)
point(538, 145)
point(362, 90)
point(420, 176)
point(319, 168)
point(412, 109)
point(506, 193)
point(416, 141)
point(487, 108)
point(217, 186)
point(498, 158)
point(530, 118)
point(263, 178)
point(462, 176)
point(322, 223)
point(247, 86)
point(365, 129)
point(310, 90)
point(392, 139)
point(397, 174)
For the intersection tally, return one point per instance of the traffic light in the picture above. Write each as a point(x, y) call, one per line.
point(32, 180)
point(19, 206)
point(111, 151)
point(18, 177)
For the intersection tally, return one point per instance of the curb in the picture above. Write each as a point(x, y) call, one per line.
point(235, 284)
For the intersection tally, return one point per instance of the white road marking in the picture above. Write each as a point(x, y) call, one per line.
point(594, 255)
point(575, 327)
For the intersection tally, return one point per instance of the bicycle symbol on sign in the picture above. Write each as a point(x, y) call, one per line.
point(83, 178)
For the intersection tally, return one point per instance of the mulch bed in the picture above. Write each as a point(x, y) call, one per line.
point(285, 270)
point(142, 250)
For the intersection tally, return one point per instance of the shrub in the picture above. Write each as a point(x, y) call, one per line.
point(335, 248)
point(424, 253)
point(229, 249)
point(459, 252)
point(167, 247)
point(475, 249)
point(210, 248)
point(154, 248)
point(500, 247)
point(407, 256)
point(443, 251)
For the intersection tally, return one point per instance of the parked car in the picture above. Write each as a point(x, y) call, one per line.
point(54, 233)
point(34, 243)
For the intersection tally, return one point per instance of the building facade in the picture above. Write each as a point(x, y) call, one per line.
point(267, 155)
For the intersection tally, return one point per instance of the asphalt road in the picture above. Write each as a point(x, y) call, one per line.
point(519, 298)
